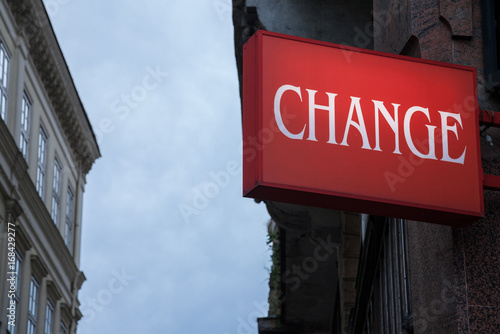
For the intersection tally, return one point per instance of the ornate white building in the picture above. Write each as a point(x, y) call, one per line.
point(47, 147)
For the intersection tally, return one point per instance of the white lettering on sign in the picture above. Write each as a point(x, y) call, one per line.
point(430, 130)
point(444, 131)
point(277, 111)
point(331, 115)
point(360, 126)
point(393, 123)
point(379, 109)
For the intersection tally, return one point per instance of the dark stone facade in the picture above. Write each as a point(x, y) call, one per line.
point(442, 259)
point(454, 273)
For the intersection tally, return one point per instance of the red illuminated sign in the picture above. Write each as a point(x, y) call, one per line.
point(345, 128)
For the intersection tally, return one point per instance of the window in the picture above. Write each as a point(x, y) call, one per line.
point(56, 191)
point(389, 305)
point(32, 306)
point(19, 263)
point(4, 77)
point(17, 270)
point(382, 286)
point(25, 126)
point(63, 329)
point(42, 162)
point(70, 219)
point(49, 314)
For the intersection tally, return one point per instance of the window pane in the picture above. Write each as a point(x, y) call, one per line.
point(4, 65)
point(3, 108)
point(2, 57)
point(40, 181)
point(5, 72)
point(63, 329)
point(31, 327)
point(33, 297)
point(19, 263)
point(70, 209)
point(4, 68)
point(49, 311)
point(32, 305)
point(42, 150)
point(56, 192)
point(55, 211)
point(25, 120)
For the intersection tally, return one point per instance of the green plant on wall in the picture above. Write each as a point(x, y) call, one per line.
point(275, 275)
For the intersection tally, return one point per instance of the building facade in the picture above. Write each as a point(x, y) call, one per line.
point(47, 147)
point(345, 272)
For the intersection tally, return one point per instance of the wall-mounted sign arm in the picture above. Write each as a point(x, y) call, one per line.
point(491, 182)
point(489, 118)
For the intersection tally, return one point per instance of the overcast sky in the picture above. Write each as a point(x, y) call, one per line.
point(169, 244)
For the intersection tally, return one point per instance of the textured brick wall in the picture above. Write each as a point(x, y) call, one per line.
point(445, 260)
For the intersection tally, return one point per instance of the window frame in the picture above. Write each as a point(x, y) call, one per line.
point(49, 317)
point(382, 286)
point(69, 226)
point(41, 169)
point(24, 136)
point(33, 305)
point(63, 329)
point(56, 191)
point(4, 80)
